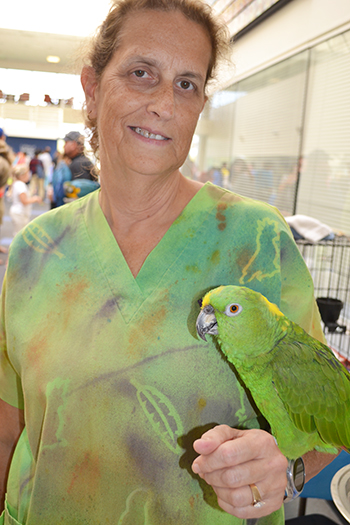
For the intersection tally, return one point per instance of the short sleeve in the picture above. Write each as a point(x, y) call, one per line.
point(10, 381)
point(21, 187)
point(297, 290)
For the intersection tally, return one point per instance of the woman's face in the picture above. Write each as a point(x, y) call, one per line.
point(151, 94)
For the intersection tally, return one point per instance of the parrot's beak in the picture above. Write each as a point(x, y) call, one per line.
point(206, 322)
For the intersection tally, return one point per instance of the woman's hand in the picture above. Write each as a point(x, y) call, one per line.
point(230, 460)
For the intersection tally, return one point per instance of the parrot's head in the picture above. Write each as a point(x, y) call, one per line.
point(244, 320)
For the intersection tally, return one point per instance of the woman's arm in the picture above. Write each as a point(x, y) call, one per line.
point(11, 426)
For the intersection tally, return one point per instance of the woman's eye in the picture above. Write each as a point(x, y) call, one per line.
point(186, 84)
point(140, 73)
point(233, 309)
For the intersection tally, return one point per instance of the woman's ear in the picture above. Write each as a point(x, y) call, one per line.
point(89, 83)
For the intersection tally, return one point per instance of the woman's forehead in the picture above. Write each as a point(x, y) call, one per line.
point(165, 35)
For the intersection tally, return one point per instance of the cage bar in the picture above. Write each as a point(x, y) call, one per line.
point(329, 264)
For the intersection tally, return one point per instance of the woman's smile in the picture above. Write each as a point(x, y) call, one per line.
point(149, 134)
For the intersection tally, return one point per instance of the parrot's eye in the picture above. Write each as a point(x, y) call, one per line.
point(233, 309)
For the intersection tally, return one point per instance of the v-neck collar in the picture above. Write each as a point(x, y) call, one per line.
point(129, 291)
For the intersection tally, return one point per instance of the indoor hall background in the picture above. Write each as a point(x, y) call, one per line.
point(284, 133)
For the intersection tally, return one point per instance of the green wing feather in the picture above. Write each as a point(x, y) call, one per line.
point(313, 385)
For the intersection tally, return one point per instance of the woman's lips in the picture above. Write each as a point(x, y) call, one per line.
point(148, 134)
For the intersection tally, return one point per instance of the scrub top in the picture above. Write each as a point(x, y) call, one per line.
point(113, 379)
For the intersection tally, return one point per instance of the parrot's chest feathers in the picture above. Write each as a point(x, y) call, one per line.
point(259, 381)
point(241, 359)
point(257, 375)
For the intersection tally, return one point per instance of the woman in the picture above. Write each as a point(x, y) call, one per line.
point(116, 388)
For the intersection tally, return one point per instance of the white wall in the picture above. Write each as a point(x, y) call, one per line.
point(296, 26)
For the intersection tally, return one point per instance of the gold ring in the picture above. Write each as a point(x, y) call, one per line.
point(257, 501)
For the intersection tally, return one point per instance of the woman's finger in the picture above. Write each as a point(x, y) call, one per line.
point(245, 446)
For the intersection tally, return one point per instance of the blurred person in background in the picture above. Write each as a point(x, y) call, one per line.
point(241, 178)
point(37, 179)
point(21, 158)
point(7, 157)
point(61, 174)
point(46, 159)
point(225, 174)
point(21, 208)
point(81, 167)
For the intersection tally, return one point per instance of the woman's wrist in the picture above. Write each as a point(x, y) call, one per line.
point(295, 479)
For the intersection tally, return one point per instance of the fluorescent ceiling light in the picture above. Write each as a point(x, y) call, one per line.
point(52, 59)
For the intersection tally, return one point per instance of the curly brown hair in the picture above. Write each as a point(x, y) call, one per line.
point(107, 39)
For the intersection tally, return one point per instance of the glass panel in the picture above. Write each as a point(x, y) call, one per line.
point(249, 136)
point(324, 191)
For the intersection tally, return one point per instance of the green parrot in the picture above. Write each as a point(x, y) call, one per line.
point(297, 383)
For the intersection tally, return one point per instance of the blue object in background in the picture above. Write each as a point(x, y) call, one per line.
point(298, 237)
point(29, 145)
point(320, 486)
point(77, 188)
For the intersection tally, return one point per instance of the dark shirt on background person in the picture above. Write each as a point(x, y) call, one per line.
point(36, 167)
point(81, 167)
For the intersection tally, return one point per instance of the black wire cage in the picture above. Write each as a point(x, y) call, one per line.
point(329, 265)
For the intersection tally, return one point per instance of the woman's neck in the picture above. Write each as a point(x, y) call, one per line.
point(142, 210)
point(145, 199)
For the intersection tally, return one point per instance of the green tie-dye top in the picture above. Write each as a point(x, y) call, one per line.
point(113, 379)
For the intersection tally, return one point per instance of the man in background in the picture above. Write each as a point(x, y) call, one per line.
point(81, 166)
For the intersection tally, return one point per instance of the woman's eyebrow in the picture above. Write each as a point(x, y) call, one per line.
point(139, 58)
point(191, 74)
point(155, 63)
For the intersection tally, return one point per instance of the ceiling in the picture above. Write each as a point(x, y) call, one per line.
point(29, 49)
point(24, 44)
point(30, 31)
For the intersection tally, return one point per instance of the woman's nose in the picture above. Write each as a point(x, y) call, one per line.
point(163, 101)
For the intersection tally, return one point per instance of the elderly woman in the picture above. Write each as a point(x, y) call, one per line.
point(129, 417)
